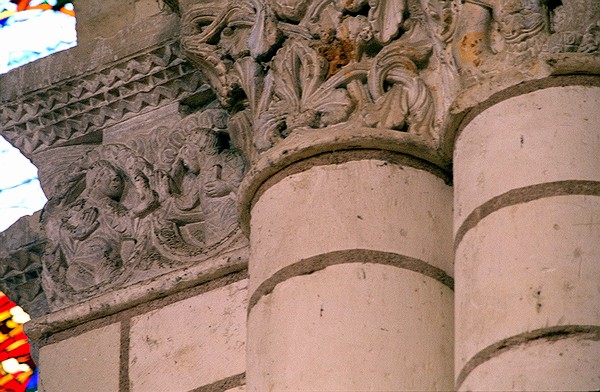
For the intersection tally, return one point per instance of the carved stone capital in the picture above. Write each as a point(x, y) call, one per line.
point(499, 44)
point(278, 68)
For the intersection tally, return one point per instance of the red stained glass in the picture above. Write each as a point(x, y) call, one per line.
point(16, 364)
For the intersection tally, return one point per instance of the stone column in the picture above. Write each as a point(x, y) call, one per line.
point(527, 239)
point(350, 270)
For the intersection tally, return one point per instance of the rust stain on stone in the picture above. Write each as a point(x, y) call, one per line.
point(470, 48)
point(338, 53)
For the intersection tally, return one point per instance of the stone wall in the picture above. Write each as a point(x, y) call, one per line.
point(193, 340)
point(317, 195)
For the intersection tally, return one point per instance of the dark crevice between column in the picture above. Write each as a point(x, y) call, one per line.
point(124, 357)
point(551, 334)
point(525, 195)
point(222, 385)
point(316, 263)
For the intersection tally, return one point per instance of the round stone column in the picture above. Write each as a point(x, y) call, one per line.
point(350, 273)
point(527, 240)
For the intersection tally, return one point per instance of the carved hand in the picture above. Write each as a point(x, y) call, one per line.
point(162, 184)
point(217, 188)
point(86, 223)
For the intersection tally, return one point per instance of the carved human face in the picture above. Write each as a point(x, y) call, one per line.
point(214, 34)
point(110, 183)
point(105, 181)
point(190, 157)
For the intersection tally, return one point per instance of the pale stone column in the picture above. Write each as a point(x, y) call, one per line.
point(350, 275)
point(527, 241)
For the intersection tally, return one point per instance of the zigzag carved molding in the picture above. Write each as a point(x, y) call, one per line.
point(73, 108)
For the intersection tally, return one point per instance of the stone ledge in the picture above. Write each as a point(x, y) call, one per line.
point(305, 143)
point(549, 70)
point(128, 297)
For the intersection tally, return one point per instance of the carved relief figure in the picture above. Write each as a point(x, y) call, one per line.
point(198, 194)
point(91, 259)
point(96, 232)
point(118, 218)
point(493, 34)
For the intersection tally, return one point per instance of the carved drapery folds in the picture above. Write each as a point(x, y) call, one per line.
point(277, 66)
point(127, 213)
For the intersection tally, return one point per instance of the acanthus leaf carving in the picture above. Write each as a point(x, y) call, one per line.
point(386, 17)
point(302, 98)
point(315, 64)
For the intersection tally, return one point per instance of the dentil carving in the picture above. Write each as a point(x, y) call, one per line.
point(280, 65)
point(121, 218)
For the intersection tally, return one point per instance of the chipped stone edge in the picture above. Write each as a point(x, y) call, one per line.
point(305, 143)
point(139, 293)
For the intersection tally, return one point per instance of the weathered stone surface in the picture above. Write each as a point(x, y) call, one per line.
point(321, 63)
point(497, 36)
point(272, 86)
point(541, 148)
point(352, 327)
point(546, 365)
point(76, 110)
point(191, 343)
point(87, 362)
point(366, 204)
point(107, 31)
point(548, 276)
point(123, 298)
point(21, 249)
point(120, 217)
point(237, 389)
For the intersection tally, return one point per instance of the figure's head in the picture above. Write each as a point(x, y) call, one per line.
point(214, 34)
point(104, 180)
point(200, 143)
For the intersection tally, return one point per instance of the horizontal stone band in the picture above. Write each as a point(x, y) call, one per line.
point(316, 263)
point(340, 157)
point(588, 332)
point(524, 195)
point(225, 384)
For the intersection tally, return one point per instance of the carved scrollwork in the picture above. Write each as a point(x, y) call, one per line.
point(281, 65)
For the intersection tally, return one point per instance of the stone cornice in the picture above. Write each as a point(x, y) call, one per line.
point(77, 107)
point(110, 303)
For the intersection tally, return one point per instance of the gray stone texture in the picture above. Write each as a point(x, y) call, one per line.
point(182, 138)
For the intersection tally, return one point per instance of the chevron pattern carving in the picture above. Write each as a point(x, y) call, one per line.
point(20, 273)
point(76, 107)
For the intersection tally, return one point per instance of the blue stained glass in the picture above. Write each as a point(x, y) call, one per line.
point(33, 382)
point(32, 29)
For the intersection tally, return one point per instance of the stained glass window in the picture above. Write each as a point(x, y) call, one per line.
point(17, 369)
point(32, 29)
